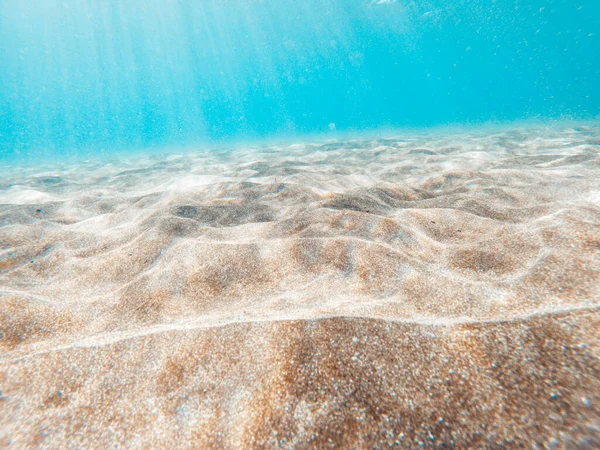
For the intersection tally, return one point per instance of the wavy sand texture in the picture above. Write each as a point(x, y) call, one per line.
point(437, 290)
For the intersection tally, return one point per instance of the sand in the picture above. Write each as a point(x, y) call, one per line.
point(436, 289)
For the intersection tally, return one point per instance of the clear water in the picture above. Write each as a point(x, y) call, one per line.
point(277, 224)
point(90, 76)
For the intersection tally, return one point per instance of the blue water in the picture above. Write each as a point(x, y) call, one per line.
point(83, 76)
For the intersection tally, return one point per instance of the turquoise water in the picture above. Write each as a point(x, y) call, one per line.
point(80, 77)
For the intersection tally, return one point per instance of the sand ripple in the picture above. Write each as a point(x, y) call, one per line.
point(440, 289)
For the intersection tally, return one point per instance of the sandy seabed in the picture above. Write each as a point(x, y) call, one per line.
point(431, 290)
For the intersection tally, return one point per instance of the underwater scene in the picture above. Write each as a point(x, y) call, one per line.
point(343, 224)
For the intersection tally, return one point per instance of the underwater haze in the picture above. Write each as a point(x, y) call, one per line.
point(299, 225)
point(87, 75)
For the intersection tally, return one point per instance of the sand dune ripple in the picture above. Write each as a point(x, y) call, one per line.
point(433, 289)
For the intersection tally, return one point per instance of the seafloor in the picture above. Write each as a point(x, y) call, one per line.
point(435, 289)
